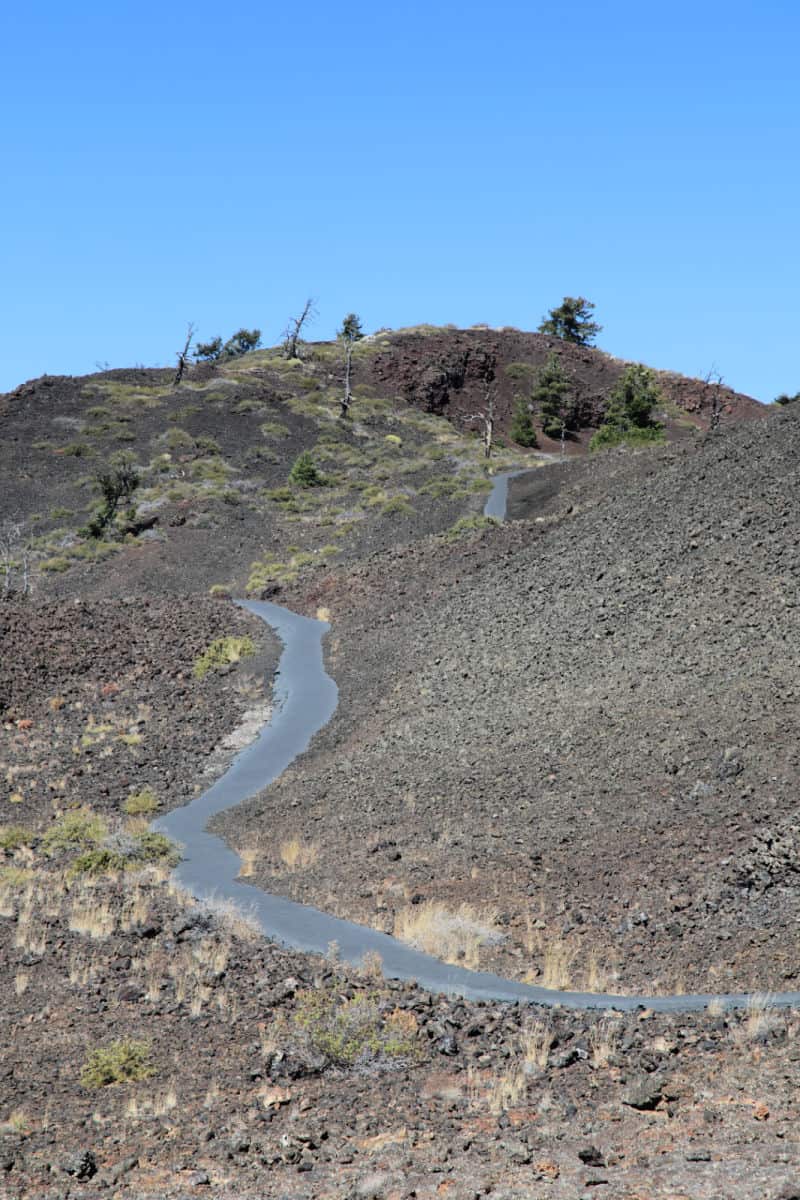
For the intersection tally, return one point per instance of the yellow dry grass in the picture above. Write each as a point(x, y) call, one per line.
point(296, 855)
point(455, 935)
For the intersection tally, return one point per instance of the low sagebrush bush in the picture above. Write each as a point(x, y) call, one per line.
point(221, 653)
point(357, 1030)
point(141, 804)
point(73, 831)
point(125, 1061)
point(14, 836)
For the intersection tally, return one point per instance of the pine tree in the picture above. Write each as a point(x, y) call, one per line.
point(629, 413)
point(522, 430)
point(633, 399)
point(304, 472)
point(572, 321)
point(550, 397)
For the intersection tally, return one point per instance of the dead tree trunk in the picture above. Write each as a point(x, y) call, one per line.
point(347, 395)
point(294, 328)
point(486, 417)
point(14, 559)
point(183, 355)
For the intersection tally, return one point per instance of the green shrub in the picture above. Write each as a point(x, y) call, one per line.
point(100, 860)
point(522, 431)
point(356, 1030)
point(57, 563)
point(397, 506)
point(468, 525)
point(75, 830)
point(222, 652)
point(124, 1061)
point(14, 836)
point(125, 852)
point(609, 436)
point(157, 848)
point(304, 472)
point(141, 804)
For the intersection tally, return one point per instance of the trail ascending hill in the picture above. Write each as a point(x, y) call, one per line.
point(586, 725)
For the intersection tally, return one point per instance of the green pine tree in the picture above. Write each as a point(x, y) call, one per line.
point(572, 321)
point(629, 413)
point(304, 473)
point(550, 397)
point(522, 430)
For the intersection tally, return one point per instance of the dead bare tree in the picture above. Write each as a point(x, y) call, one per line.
point(183, 355)
point(486, 417)
point(15, 559)
point(717, 401)
point(291, 335)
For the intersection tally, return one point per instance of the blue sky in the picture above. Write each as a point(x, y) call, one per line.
point(441, 162)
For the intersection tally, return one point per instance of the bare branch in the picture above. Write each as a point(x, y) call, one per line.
point(291, 335)
point(183, 355)
point(15, 559)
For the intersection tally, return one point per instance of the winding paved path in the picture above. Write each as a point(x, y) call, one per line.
point(305, 698)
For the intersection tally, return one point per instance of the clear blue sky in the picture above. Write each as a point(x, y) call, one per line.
point(442, 162)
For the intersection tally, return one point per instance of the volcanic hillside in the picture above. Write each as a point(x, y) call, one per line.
point(215, 507)
point(582, 725)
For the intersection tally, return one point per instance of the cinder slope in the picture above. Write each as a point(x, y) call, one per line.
point(587, 724)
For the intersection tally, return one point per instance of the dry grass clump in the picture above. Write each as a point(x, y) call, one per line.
point(92, 915)
point(249, 857)
point(760, 1017)
point(604, 1039)
point(535, 1043)
point(296, 855)
point(563, 966)
point(455, 935)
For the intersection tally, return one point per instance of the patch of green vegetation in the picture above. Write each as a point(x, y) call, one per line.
point(304, 472)
point(397, 506)
point(521, 372)
point(362, 1029)
point(176, 439)
point(14, 879)
point(221, 653)
point(125, 853)
point(183, 412)
point(57, 563)
point(261, 454)
point(210, 469)
point(274, 429)
point(208, 444)
point(609, 436)
point(123, 1061)
point(76, 830)
point(128, 395)
point(248, 405)
point(270, 571)
point(76, 450)
point(467, 526)
point(141, 803)
point(14, 836)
